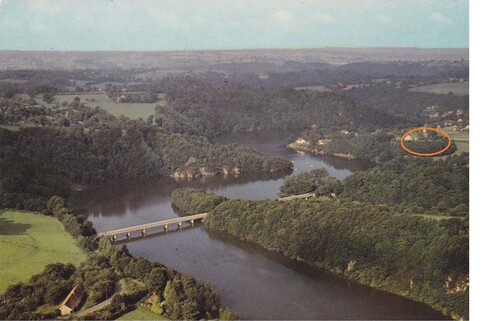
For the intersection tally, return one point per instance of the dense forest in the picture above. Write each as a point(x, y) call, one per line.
point(422, 185)
point(317, 180)
point(424, 259)
point(212, 104)
point(292, 74)
point(194, 201)
point(211, 111)
point(401, 101)
point(94, 147)
point(365, 72)
point(413, 185)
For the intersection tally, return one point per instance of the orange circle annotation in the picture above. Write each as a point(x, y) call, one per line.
point(402, 141)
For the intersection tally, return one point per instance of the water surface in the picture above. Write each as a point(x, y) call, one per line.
point(254, 282)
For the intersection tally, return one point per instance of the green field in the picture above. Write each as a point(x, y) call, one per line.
point(461, 139)
point(30, 241)
point(131, 110)
point(141, 313)
point(13, 128)
point(459, 89)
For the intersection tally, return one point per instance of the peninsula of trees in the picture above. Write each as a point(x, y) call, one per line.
point(377, 245)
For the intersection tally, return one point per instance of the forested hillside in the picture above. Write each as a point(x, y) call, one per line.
point(424, 259)
point(84, 146)
point(215, 110)
point(412, 185)
point(378, 146)
point(400, 101)
point(420, 184)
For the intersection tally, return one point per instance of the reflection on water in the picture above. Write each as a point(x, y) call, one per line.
point(266, 285)
point(256, 283)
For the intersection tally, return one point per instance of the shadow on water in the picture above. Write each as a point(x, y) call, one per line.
point(257, 283)
point(248, 276)
point(120, 197)
point(274, 142)
point(9, 227)
point(340, 285)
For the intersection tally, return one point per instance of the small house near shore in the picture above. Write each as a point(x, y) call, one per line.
point(150, 300)
point(72, 300)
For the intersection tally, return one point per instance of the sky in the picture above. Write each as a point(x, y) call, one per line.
point(231, 24)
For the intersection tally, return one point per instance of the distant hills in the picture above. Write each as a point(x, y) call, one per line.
point(257, 60)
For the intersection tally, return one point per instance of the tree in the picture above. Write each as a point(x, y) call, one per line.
point(140, 268)
point(55, 203)
point(48, 97)
point(227, 314)
point(156, 279)
point(149, 120)
point(170, 299)
point(189, 310)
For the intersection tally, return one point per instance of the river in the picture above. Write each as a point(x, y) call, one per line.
point(254, 282)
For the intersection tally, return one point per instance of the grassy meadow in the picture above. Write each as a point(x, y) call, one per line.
point(13, 128)
point(30, 241)
point(459, 89)
point(461, 139)
point(131, 110)
point(141, 313)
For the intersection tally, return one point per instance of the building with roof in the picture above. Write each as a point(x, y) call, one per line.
point(72, 300)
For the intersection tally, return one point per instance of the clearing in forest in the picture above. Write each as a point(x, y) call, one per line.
point(30, 241)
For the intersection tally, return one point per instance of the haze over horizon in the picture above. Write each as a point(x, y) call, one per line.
point(123, 25)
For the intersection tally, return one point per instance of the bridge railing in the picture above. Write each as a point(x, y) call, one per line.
point(144, 227)
point(178, 220)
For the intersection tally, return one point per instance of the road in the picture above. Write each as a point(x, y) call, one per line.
point(103, 304)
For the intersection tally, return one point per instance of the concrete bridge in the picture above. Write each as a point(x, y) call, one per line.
point(144, 227)
point(127, 231)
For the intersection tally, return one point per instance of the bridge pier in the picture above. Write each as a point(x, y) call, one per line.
point(127, 231)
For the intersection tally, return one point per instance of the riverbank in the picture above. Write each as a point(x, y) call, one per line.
point(305, 149)
point(370, 244)
point(96, 272)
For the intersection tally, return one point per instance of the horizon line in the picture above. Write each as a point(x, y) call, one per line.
point(234, 49)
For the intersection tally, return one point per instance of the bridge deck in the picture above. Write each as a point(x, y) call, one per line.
point(154, 224)
point(177, 220)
